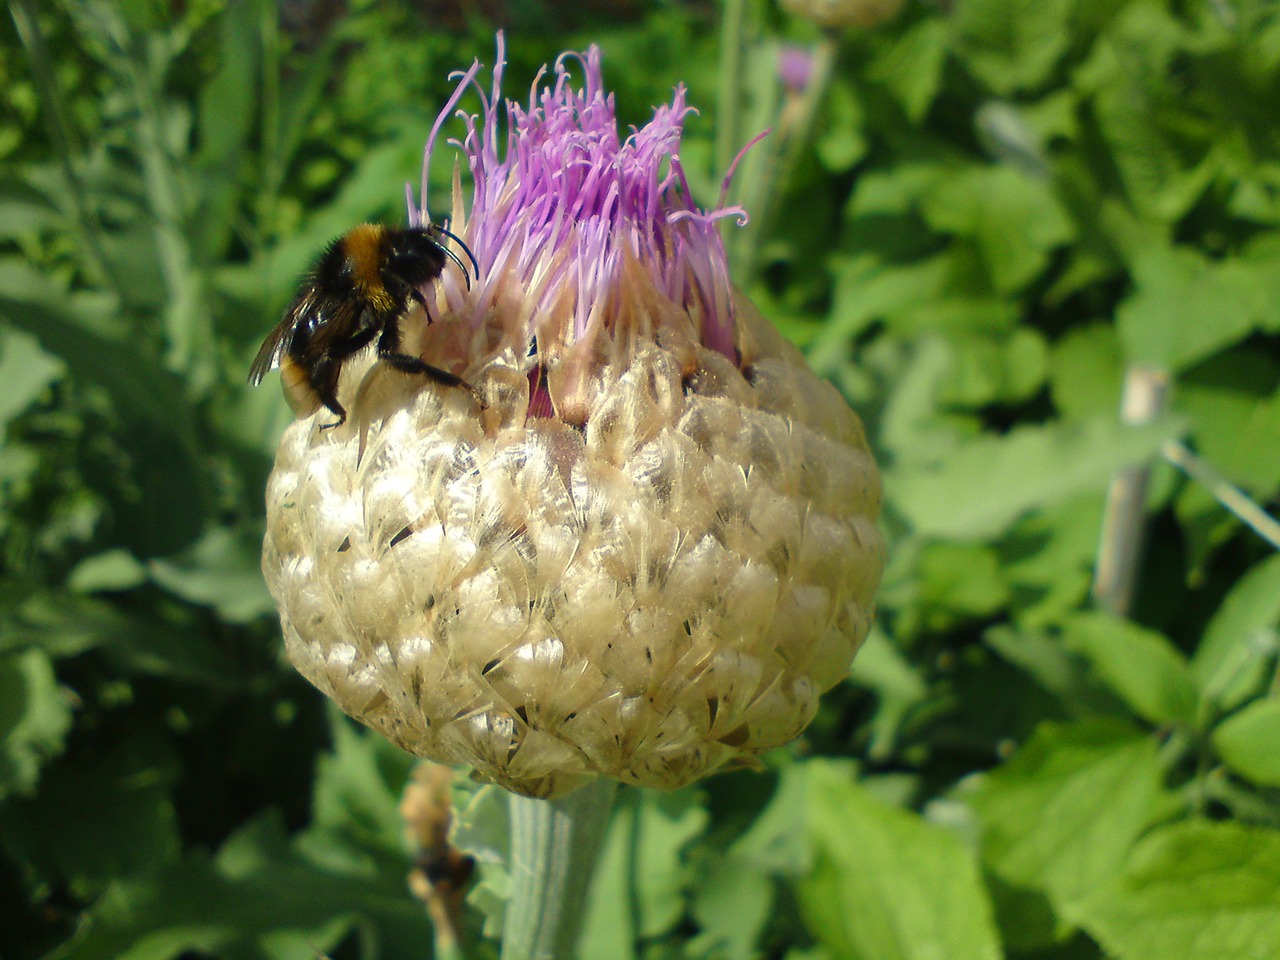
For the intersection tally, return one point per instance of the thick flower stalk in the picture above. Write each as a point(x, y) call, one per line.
point(650, 548)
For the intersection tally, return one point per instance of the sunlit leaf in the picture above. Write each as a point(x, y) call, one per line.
point(886, 883)
point(1061, 815)
point(1140, 665)
point(1191, 891)
point(1247, 741)
point(990, 482)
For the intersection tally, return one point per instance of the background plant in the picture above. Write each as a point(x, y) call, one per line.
point(978, 218)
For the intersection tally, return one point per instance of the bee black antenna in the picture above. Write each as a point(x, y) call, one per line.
point(454, 257)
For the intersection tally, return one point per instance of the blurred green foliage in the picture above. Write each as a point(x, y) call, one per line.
point(976, 217)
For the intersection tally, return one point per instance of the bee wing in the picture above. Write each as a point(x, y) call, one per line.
point(272, 349)
point(306, 313)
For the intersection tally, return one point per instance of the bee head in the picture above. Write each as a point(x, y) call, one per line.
point(414, 256)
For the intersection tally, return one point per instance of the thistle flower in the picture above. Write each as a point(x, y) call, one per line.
point(651, 549)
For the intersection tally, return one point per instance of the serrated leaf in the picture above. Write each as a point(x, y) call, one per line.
point(885, 883)
point(1191, 891)
point(1247, 741)
point(1140, 665)
point(1162, 148)
point(989, 482)
point(1061, 815)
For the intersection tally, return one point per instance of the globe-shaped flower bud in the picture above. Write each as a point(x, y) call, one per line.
point(648, 551)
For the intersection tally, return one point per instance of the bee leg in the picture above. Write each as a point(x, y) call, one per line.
point(389, 350)
point(323, 373)
point(323, 377)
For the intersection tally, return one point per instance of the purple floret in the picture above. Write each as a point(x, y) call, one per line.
point(568, 201)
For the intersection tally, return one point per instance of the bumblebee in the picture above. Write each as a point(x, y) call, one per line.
point(358, 290)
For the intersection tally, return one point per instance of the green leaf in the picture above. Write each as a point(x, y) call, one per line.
point(1061, 815)
point(911, 67)
point(1233, 404)
point(898, 686)
point(257, 898)
point(988, 370)
point(886, 884)
point(959, 579)
point(1015, 220)
point(1011, 44)
point(1247, 741)
point(1191, 891)
point(772, 842)
point(65, 624)
point(732, 901)
point(108, 571)
point(481, 828)
point(26, 371)
point(157, 421)
point(1186, 307)
point(1241, 638)
point(867, 290)
point(989, 482)
point(221, 570)
point(358, 787)
point(34, 719)
point(638, 890)
point(1044, 658)
point(1162, 147)
point(1141, 665)
point(843, 143)
point(1048, 558)
point(1087, 371)
point(134, 827)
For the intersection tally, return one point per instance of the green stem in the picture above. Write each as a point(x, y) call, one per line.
point(732, 36)
point(1226, 493)
point(554, 848)
point(793, 131)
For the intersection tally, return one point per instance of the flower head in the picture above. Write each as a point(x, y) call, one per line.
point(648, 552)
point(570, 219)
